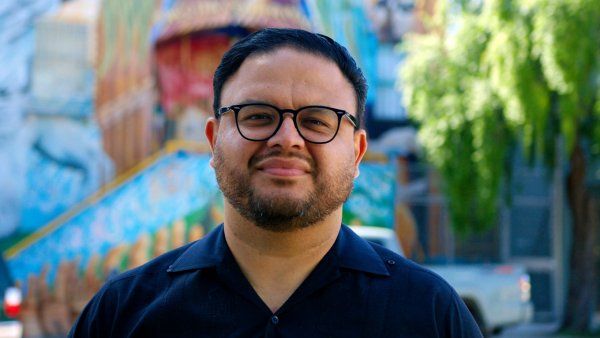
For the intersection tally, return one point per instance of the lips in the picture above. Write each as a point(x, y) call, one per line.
point(283, 167)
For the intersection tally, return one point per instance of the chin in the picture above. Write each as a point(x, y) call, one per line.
point(281, 196)
point(281, 181)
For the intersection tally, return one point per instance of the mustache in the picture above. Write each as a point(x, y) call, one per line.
point(281, 154)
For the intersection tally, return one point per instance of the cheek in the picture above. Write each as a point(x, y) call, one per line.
point(227, 130)
point(337, 160)
point(234, 149)
point(345, 147)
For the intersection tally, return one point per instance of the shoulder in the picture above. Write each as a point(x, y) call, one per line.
point(404, 272)
point(131, 292)
point(418, 297)
point(147, 280)
point(358, 250)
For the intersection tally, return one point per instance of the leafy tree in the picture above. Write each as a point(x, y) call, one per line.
point(495, 72)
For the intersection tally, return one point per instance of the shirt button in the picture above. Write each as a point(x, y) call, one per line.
point(391, 261)
point(275, 320)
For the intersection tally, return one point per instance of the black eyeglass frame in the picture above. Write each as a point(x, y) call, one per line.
point(237, 107)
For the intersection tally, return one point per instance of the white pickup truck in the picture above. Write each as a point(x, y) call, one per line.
point(498, 296)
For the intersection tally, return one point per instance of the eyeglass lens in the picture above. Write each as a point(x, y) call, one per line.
point(315, 124)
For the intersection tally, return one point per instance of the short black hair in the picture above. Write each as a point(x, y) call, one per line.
point(270, 39)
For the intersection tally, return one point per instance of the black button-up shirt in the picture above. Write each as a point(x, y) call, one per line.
point(358, 289)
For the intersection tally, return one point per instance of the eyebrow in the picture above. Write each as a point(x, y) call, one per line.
point(252, 101)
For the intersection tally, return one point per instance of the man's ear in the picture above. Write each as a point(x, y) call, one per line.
point(360, 148)
point(211, 130)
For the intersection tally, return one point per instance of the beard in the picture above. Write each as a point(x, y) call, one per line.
point(283, 212)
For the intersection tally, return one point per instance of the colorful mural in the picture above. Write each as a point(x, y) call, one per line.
point(347, 22)
point(372, 200)
point(173, 187)
point(186, 67)
point(45, 104)
point(176, 187)
point(181, 17)
point(125, 86)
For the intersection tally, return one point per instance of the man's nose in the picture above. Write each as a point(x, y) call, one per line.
point(287, 136)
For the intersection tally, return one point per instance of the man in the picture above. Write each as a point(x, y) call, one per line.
point(286, 142)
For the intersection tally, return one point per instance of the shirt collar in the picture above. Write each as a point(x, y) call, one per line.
point(356, 253)
point(205, 253)
point(352, 251)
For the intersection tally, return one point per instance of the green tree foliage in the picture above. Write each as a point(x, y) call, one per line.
point(492, 73)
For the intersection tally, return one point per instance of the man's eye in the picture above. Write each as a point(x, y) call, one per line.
point(316, 122)
point(260, 117)
point(257, 119)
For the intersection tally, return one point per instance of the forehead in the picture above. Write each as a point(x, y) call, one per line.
point(290, 78)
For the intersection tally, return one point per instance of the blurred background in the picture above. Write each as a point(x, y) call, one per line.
point(482, 116)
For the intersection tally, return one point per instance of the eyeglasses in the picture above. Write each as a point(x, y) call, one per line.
point(315, 124)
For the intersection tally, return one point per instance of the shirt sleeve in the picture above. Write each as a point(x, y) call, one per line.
point(96, 318)
point(459, 322)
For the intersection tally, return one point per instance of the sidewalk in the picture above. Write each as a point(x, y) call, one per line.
point(533, 331)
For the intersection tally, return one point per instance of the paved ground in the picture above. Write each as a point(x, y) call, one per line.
point(533, 331)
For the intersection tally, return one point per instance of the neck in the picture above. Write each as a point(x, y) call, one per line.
point(276, 263)
point(244, 235)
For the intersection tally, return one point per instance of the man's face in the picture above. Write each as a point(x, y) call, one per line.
point(286, 183)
